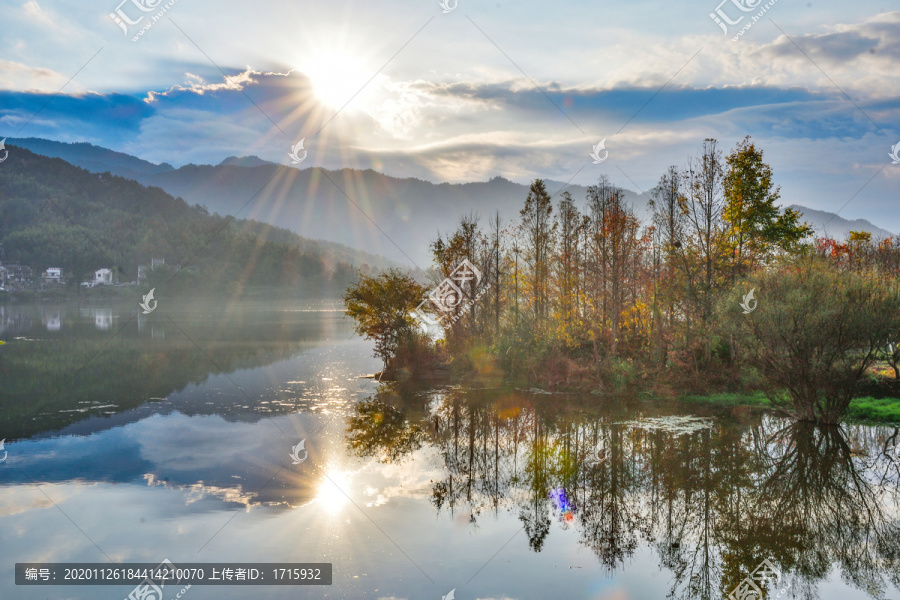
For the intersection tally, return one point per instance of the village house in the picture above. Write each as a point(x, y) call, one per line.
point(21, 274)
point(53, 275)
point(103, 277)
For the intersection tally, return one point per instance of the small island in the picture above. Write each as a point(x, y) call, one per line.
point(723, 296)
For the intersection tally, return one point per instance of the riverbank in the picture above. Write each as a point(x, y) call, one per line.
point(865, 409)
point(877, 394)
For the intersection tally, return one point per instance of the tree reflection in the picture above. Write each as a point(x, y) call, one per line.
point(378, 429)
point(712, 502)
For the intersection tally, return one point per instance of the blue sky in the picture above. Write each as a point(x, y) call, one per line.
point(520, 89)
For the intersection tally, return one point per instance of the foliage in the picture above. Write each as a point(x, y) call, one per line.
point(379, 429)
point(382, 307)
point(813, 334)
point(576, 292)
point(756, 227)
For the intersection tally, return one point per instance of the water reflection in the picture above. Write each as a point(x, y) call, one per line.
point(61, 365)
point(53, 321)
point(712, 502)
point(155, 443)
point(103, 317)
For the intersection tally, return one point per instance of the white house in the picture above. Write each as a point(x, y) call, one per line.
point(53, 275)
point(103, 277)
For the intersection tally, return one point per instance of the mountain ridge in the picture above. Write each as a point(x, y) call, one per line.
point(389, 216)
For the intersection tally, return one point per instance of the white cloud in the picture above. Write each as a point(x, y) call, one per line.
point(18, 76)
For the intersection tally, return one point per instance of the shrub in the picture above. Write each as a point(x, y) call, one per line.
point(812, 335)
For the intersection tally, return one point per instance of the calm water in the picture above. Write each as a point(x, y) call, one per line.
point(138, 438)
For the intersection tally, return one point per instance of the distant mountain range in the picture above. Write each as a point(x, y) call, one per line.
point(92, 158)
point(827, 224)
point(55, 214)
point(390, 216)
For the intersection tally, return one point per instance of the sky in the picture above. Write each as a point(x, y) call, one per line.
point(466, 90)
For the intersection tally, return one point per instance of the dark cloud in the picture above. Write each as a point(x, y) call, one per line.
point(103, 117)
point(879, 37)
point(669, 105)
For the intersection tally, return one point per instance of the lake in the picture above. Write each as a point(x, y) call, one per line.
point(138, 438)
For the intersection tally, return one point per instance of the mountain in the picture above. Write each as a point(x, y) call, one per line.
point(364, 209)
point(92, 158)
point(827, 224)
point(54, 214)
point(245, 161)
point(394, 217)
point(408, 211)
point(387, 216)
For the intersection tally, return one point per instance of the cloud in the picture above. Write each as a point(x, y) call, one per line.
point(35, 13)
point(196, 84)
point(107, 119)
point(841, 44)
point(18, 76)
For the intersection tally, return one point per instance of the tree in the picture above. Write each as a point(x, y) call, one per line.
point(73, 248)
point(756, 227)
point(539, 233)
point(668, 255)
point(616, 249)
point(703, 207)
point(813, 334)
point(382, 308)
point(570, 224)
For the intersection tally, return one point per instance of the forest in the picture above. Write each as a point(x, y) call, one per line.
point(723, 290)
point(53, 214)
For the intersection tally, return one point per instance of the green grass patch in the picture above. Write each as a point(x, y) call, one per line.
point(867, 408)
point(731, 399)
point(882, 410)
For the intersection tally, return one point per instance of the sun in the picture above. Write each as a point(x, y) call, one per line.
point(338, 77)
point(331, 494)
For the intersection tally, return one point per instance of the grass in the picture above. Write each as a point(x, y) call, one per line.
point(867, 408)
point(731, 399)
point(882, 410)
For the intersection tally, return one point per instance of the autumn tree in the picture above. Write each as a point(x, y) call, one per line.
point(382, 307)
point(615, 254)
point(569, 224)
point(755, 226)
point(668, 223)
point(539, 239)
